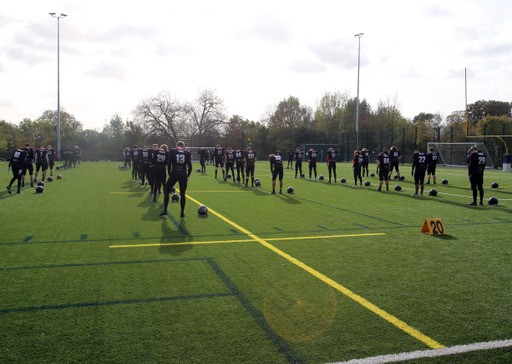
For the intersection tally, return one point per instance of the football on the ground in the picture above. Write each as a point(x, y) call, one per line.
point(398, 188)
point(198, 170)
point(175, 197)
point(495, 185)
point(321, 178)
point(402, 178)
point(290, 189)
point(432, 192)
point(40, 183)
point(372, 174)
point(39, 189)
point(445, 181)
point(202, 210)
point(367, 183)
point(343, 180)
point(257, 182)
point(50, 179)
point(59, 176)
point(492, 201)
point(302, 175)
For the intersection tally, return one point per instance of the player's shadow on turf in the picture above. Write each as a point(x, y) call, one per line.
point(169, 235)
point(289, 198)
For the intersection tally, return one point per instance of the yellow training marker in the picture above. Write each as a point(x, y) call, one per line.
point(433, 226)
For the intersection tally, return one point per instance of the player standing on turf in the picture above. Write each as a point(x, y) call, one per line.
point(180, 169)
point(290, 159)
point(239, 162)
point(312, 155)
point(127, 157)
point(276, 168)
point(250, 162)
point(135, 162)
point(419, 167)
point(50, 152)
point(299, 155)
point(218, 154)
point(17, 164)
point(357, 163)
point(432, 158)
point(395, 156)
point(41, 162)
point(160, 162)
point(144, 165)
point(476, 169)
point(383, 162)
point(330, 160)
point(229, 161)
point(203, 157)
point(366, 160)
point(29, 166)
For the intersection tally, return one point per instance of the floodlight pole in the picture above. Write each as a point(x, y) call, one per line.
point(358, 36)
point(58, 17)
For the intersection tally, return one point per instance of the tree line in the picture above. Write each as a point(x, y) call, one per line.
point(203, 122)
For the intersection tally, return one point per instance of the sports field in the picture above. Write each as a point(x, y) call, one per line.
point(91, 273)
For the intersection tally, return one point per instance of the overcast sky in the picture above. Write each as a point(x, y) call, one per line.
point(254, 54)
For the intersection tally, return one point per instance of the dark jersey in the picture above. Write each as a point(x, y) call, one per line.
point(276, 163)
point(181, 162)
point(395, 156)
point(432, 158)
point(312, 155)
point(135, 154)
point(476, 163)
point(203, 154)
point(357, 161)
point(384, 160)
point(218, 152)
point(160, 158)
point(30, 155)
point(419, 162)
point(250, 158)
point(239, 157)
point(331, 156)
point(41, 156)
point(51, 154)
point(366, 157)
point(299, 155)
point(19, 157)
point(230, 156)
point(144, 155)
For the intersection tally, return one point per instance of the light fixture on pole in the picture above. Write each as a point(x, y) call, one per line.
point(358, 36)
point(58, 17)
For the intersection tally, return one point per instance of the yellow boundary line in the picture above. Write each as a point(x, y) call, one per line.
point(347, 292)
point(242, 240)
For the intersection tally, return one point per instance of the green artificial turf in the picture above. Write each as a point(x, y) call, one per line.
point(91, 273)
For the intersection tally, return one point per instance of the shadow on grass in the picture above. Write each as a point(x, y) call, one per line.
point(168, 235)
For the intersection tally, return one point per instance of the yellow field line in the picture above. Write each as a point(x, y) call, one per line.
point(362, 301)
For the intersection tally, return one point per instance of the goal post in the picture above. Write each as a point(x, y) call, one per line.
point(455, 154)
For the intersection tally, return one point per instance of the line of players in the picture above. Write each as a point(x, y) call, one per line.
point(151, 166)
point(22, 161)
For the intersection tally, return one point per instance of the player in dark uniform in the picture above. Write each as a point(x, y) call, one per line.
point(127, 157)
point(160, 162)
point(330, 161)
point(290, 159)
point(357, 164)
point(203, 158)
point(50, 152)
point(151, 174)
point(180, 168)
point(312, 156)
point(276, 168)
point(299, 155)
point(229, 161)
point(419, 167)
point(366, 160)
point(144, 163)
point(476, 167)
point(77, 155)
point(395, 156)
point(383, 162)
point(432, 158)
point(218, 154)
point(17, 164)
point(239, 163)
point(135, 162)
point(41, 162)
point(29, 166)
point(250, 162)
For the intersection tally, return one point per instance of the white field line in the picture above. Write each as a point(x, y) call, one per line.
point(432, 353)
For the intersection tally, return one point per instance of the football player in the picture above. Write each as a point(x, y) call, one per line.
point(330, 161)
point(239, 162)
point(135, 162)
point(366, 160)
point(312, 155)
point(250, 161)
point(357, 163)
point(50, 152)
point(299, 155)
point(229, 161)
point(29, 166)
point(395, 156)
point(383, 162)
point(476, 167)
point(17, 165)
point(276, 168)
point(160, 162)
point(180, 161)
point(419, 167)
point(218, 154)
point(41, 162)
point(432, 158)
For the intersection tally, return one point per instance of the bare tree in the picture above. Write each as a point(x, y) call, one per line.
point(162, 115)
point(206, 115)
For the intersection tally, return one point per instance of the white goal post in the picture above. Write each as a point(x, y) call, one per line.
point(455, 154)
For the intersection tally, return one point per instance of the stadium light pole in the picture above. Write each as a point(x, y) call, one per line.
point(58, 17)
point(358, 36)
